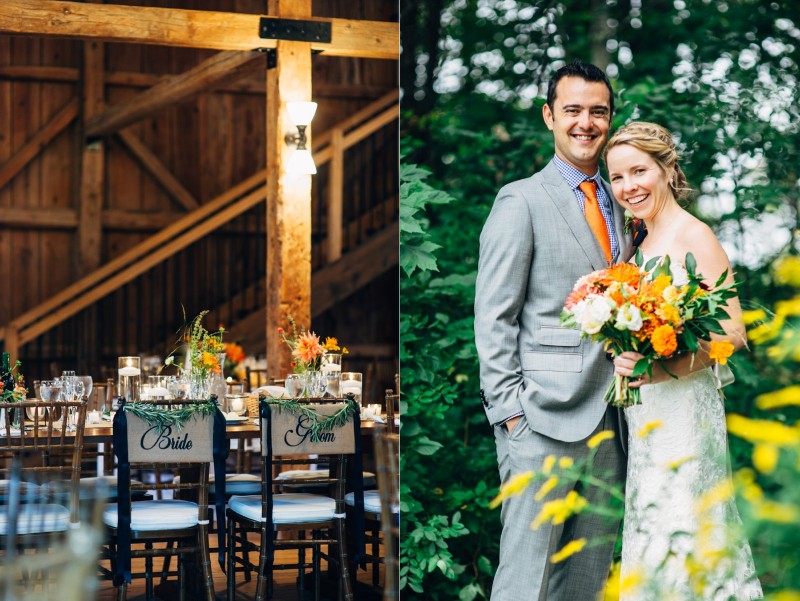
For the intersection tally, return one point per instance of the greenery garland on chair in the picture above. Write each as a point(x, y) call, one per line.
point(162, 417)
point(319, 424)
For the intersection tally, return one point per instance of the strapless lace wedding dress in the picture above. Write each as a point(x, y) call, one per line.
point(678, 510)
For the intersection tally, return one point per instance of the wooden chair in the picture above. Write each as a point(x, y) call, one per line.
point(286, 440)
point(184, 520)
point(387, 459)
point(392, 408)
point(40, 471)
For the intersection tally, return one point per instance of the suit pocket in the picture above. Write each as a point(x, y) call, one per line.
point(555, 336)
point(569, 362)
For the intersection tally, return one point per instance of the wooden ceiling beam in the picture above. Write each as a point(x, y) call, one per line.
point(185, 28)
point(158, 170)
point(42, 138)
point(217, 70)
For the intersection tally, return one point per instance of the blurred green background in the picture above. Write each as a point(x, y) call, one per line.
point(722, 76)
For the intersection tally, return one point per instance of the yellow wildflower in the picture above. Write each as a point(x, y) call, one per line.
point(751, 317)
point(787, 271)
point(766, 331)
point(765, 458)
point(549, 485)
point(515, 485)
point(761, 430)
point(572, 547)
point(779, 398)
point(720, 351)
point(548, 464)
point(788, 308)
point(780, 513)
point(438, 491)
point(648, 428)
point(598, 438)
point(677, 463)
point(786, 595)
point(752, 493)
point(661, 283)
point(331, 344)
point(565, 463)
point(559, 510)
point(719, 493)
point(209, 359)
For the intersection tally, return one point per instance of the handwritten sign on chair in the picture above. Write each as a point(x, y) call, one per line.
point(291, 433)
point(191, 443)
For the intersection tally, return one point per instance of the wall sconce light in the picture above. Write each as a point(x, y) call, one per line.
point(301, 114)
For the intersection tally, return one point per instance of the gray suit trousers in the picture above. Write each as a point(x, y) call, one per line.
point(525, 572)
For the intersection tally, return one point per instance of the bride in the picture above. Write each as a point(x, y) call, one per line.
point(682, 536)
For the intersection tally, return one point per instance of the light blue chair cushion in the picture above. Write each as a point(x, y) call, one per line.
point(372, 502)
point(169, 514)
point(369, 477)
point(235, 484)
point(287, 508)
point(35, 518)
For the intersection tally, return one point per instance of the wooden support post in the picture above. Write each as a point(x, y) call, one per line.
point(288, 195)
point(90, 225)
point(335, 191)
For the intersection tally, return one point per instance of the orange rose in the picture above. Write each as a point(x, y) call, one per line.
point(664, 340)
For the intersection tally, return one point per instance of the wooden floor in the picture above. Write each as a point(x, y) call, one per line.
point(285, 585)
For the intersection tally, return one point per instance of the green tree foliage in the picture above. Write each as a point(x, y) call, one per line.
point(722, 75)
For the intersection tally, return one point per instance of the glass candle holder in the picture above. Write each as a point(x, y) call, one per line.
point(351, 381)
point(159, 388)
point(130, 378)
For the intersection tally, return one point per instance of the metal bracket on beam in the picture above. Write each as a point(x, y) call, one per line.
point(294, 30)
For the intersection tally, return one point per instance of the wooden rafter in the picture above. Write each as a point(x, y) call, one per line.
point(217, 70)
point(145, 80)
point(158, 170)
point(42, 138)
point(186, 28)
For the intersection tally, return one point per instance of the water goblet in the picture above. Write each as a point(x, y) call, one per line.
point(88, 384)
point(294, 385)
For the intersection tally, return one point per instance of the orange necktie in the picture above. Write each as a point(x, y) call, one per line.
point(591, 209)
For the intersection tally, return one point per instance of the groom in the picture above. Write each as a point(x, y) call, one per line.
point(541, 385)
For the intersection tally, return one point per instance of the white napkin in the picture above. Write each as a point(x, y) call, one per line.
point(274, 391)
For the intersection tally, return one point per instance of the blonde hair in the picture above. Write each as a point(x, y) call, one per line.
point(657, 142)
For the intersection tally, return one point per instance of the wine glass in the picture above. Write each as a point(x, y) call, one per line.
point(294, 384)
point(87, 385)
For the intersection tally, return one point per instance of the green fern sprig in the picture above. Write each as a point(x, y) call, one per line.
point(319, 424)
point(162, 417)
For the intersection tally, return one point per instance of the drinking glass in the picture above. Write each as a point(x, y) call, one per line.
point(87, 384)
point(295, 384)
point(178, 387)
point(332, 383)
point(315, 384)
point(159, 388)
point(46, 388)
point(351, 382)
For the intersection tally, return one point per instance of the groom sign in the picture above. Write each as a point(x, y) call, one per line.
point(541, 385)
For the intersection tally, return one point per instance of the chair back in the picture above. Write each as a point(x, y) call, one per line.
point(189, 442)
point(291, 433)
point(387, 456)
point(392, 404)
point(46, 439)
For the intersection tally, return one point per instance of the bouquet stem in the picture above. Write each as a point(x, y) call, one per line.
point(620, 394)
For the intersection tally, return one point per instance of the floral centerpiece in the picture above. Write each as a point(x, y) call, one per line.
point(17, 392)
point(234, 355)
point(306, 348)
point(631, 307)
point(205, 355)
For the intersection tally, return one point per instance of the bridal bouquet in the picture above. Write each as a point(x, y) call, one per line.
point(631, 307)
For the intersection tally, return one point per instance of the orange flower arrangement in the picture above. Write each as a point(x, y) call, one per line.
point(635, 307)
point(306, 347)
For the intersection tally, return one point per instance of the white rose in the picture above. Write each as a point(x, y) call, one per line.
point(592, 312)
point(629, 318)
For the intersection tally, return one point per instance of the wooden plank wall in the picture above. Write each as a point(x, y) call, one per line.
point(208, 143)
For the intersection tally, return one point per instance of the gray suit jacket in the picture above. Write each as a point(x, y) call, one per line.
point(534, 246)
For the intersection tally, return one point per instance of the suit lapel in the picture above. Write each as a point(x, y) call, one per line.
point(563, 197)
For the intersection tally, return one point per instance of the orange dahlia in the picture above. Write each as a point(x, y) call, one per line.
point(624, 273)
point(664, 340)
point(308, 347)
